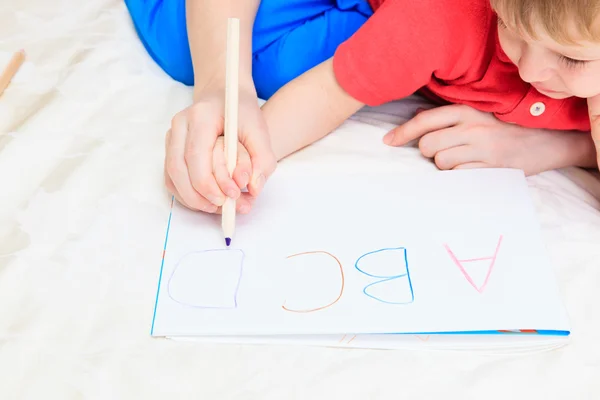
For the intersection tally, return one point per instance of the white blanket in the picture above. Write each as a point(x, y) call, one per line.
point(82, 222)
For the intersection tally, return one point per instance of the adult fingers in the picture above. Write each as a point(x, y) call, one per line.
point(424, 122)
point(171, 188)
point(203, 130)
point(243, 204)
point(177, 169)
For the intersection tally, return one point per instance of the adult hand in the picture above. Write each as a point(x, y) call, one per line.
point(195, 168)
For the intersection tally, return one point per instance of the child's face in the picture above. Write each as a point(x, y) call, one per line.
point(555, 70)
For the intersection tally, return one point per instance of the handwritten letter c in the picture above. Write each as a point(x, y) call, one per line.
point(341, 278)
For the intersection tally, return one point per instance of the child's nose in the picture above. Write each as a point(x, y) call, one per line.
point(534, 68)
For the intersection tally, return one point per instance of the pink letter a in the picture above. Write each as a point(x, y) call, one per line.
point(467, 263)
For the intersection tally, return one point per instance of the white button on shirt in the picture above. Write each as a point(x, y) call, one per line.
point(537, 109)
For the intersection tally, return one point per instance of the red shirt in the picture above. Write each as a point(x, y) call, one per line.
point(448, 48)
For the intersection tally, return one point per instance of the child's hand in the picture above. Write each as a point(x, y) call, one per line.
point(594, 112)
point(459, 137)
point(195, 169)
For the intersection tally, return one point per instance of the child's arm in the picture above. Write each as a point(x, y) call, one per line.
point(307, 109)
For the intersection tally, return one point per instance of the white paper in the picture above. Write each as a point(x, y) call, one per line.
point(368, 253)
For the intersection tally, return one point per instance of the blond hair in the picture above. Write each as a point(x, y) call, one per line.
point(565, 21)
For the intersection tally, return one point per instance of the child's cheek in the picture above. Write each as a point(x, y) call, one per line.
point(510, 46)
point(583, 83)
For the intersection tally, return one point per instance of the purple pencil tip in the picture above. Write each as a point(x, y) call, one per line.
point(227, 241)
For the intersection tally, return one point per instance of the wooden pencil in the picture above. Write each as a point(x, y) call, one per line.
point(231, 120)
point(11, 69)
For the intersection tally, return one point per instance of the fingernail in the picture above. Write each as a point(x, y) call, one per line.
point(209, 208)
point(245, 179)
point(388, 138)
point(260, 182)
point(216, 200)
point(232, 194)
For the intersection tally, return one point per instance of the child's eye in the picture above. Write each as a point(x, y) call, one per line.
point(572, 63)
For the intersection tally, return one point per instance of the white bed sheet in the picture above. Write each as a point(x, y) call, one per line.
point(82, 222)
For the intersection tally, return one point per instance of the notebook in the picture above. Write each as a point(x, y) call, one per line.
point(445, 259)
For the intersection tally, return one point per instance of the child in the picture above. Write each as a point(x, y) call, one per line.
point(510, 70)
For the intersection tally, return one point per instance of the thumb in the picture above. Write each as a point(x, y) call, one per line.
point(424, 122)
